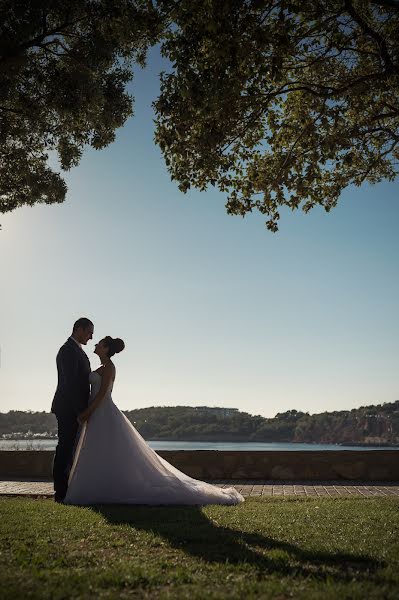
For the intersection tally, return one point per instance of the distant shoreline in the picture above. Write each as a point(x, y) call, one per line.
point(370, 427)
point(217, 441)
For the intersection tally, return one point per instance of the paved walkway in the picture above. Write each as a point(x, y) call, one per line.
point(320, 489)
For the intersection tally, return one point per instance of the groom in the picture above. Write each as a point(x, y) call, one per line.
point(71, 398)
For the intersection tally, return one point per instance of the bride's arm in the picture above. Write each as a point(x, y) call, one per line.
point(106, 379)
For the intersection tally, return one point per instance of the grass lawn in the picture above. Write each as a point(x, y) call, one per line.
point(264, 548)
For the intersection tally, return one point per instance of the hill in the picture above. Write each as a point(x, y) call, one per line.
point(375, 424)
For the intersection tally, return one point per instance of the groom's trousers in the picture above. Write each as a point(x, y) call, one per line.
point(63, 459)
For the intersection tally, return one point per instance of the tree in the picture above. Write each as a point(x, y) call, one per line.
point(64, 66)
point(276, 102)
point(280, 102)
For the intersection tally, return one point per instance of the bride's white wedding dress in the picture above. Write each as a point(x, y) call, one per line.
point(113, 464)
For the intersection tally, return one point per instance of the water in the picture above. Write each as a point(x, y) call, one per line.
point(36, 444)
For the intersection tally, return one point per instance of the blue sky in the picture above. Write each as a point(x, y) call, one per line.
point(214, 310)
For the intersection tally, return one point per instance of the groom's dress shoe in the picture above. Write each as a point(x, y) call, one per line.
point(58, 500)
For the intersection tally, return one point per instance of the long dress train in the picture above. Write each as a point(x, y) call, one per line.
point(113, 464)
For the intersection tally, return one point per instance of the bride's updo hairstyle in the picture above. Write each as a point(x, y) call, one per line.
point(114, 345)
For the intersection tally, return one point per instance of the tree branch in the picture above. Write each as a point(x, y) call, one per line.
point(387, 3)
point(390, 67)
point(12, 110)
point(37, 41)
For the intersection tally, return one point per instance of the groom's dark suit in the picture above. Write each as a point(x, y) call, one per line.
point(70, 399)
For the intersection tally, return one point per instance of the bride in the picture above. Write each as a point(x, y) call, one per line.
point(114, 465)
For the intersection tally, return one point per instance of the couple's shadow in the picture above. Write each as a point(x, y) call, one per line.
point(190, 530)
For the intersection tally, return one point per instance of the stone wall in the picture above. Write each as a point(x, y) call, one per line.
point(378, 465)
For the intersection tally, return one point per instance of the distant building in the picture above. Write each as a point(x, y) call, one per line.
point(225, 413)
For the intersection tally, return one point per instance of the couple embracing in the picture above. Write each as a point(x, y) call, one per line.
point(100, 457)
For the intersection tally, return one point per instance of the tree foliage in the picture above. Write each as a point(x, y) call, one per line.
point(280, 102)
point(64, 67)
point(376, 424)
point(276, 102)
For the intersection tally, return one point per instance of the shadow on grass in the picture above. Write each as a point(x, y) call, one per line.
point(190, 530)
